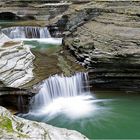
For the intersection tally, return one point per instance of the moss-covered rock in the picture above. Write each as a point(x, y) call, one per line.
point(6, 124)
point(15, 128)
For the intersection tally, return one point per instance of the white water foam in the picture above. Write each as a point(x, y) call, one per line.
point(55, 41)
point(26, 32)
point(73, 107)
point(66, 95)
point(29, 33)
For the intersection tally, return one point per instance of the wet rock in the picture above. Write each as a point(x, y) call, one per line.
point(13, 127)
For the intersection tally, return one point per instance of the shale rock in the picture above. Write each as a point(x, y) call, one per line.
point(31, 10)
point(15, 128)
point(16, 62)
point(105, 37)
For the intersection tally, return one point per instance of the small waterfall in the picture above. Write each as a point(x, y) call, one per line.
point(61, 86)
point(69, 96)
point(26, 32)
point(20, 103)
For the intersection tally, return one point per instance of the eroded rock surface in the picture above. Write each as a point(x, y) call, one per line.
point(105, 37)
point(31, 10)
point(15, 128)
point(16, 62)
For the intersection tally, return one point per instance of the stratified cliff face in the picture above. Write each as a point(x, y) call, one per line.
point(40, 11)
point(31, 10)
point(105, 37)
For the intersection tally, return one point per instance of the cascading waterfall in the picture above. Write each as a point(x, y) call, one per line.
point(74, 109)
point(68, 95)
point(61, 86)
point(20, 103)
point(26, 32)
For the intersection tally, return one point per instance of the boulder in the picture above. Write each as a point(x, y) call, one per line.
point(15, 128)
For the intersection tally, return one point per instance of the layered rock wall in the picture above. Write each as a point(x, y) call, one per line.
point(31, 10)
point(104, 37)
point(16, 62)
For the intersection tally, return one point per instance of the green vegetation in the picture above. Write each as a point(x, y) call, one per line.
point(6, 124)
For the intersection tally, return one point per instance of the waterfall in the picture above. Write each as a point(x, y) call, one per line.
point(61, 86)
point(26, 32)
point(68, 95)
point(20, 103)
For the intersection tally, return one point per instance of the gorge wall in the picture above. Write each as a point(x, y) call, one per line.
point(31, 10)
point(104, 37)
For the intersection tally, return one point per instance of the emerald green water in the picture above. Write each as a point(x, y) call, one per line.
point(41, 46)
point(5, 23)
point(117, 116)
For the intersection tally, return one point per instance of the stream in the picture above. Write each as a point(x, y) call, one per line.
point(96, 114)
point(67, 102)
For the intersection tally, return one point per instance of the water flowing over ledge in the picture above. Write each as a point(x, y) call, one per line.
point(61, 86)
point(26, 32)
point(30, 33)
point(67, 95)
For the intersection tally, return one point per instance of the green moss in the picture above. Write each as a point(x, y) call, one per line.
point(64, 66)
point(5, 123)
